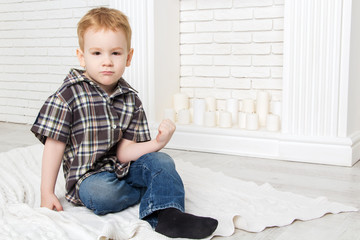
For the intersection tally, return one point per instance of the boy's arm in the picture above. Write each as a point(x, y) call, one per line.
point(130, 151)
point(51, 161)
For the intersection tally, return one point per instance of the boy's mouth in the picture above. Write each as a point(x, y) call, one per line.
point(107, 72)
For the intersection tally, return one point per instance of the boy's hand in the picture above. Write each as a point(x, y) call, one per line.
point(51, 202)
point(166, 130)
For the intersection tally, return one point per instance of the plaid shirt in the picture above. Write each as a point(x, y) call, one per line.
point(91, 123)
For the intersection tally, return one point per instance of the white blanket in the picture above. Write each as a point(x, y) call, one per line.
point(235, 203)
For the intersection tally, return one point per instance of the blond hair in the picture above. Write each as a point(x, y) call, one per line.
point(104, 18)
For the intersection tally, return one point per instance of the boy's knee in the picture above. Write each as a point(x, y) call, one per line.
point(159, 159)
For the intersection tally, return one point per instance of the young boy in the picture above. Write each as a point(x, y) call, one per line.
point(96, 126)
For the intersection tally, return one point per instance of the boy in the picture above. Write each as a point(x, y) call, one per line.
point(96, 126)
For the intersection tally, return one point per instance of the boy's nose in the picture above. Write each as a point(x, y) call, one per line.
point(107, 61)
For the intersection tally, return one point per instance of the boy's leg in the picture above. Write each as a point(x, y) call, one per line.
point(162, 204)
point(105, 193)
point(164, 188)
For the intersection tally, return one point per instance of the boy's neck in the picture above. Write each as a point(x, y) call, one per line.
point(108, 89)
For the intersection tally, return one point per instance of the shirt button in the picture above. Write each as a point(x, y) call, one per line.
point(114, 126)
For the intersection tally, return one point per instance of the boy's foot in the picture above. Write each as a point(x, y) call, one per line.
point(176, 224)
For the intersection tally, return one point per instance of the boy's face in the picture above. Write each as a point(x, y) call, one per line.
point(105, 57)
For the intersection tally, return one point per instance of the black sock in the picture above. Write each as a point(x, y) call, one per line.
point(176, 224)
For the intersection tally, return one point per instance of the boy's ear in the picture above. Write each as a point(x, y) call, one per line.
point(129, 57)
point(80, 56)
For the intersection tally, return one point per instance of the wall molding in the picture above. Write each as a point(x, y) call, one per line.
point(262, 144)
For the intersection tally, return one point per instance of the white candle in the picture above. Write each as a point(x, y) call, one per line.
point(225, 119)
point(183, 116)
point(242, 119)
point(210, 119)
point(262, 106)
point(275, 107)
point(248, 105)
point(232, 106)
point(180, 101)
point(199, 111)
point(169, 113)
point(273, 122)
point(210, 104)
point(252, 121)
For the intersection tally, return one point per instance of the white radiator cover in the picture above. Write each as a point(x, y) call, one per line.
point(320, 121)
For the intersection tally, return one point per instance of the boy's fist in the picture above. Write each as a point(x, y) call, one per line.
point(166, 130)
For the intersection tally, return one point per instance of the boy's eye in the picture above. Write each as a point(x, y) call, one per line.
point(116, 53)
point(96, 53)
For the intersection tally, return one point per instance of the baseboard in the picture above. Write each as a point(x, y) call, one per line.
point(264, 144)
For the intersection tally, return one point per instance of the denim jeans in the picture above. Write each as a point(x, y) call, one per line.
point(152, 181)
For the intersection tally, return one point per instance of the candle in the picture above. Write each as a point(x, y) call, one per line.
point(273, 122)
point(275, 107)
point(199, 111)
point(210, 119)
point(184, 116)
point(248, 105)
point(169, 113)
point(242, 119)
point(180, 101)
point(225, 119)
point(210, 104)
point(252, 121)
point(262, 106)
point(232, 106)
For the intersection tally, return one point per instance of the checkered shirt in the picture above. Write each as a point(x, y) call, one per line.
point(91, 123)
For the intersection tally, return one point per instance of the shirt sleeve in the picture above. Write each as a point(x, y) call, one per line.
point(138, 129)
point(53, 120)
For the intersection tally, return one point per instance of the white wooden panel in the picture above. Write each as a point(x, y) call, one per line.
point(312, 67)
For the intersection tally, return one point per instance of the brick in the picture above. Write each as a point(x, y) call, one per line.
point(186, 49)
point(12, 52)
point(275, 83)
point(233, 83)
point(252, 3)
point(211, 4)
point(231, 37)
point(270, 36)
point(269, 12)
point(278, 24)
point(242, 94)
point(186, 27)
point(277, 72)
point(252, 25)
point(233, 14)
point(187, 5)
point(186, 71)
point(217, 93)
point(195, 60)
point(277, 48)
point(196, 38)
point(250, 49)
point(213, 71)
point(230, 60)
point(213, 26)
point(250, 72)
point(213, 49)
point(204, 15)
point(197, 82)
point(270, 60)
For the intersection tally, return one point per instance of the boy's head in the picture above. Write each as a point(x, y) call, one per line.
point(105, 51)
point(104, 19)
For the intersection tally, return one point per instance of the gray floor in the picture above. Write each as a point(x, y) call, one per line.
point(341, 184)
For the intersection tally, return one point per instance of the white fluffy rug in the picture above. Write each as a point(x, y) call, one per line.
point(235, 203)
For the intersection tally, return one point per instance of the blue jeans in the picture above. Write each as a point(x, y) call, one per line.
point(152, 181)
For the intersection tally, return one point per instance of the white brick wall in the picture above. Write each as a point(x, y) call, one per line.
point(37, 48)
point(231, 48)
